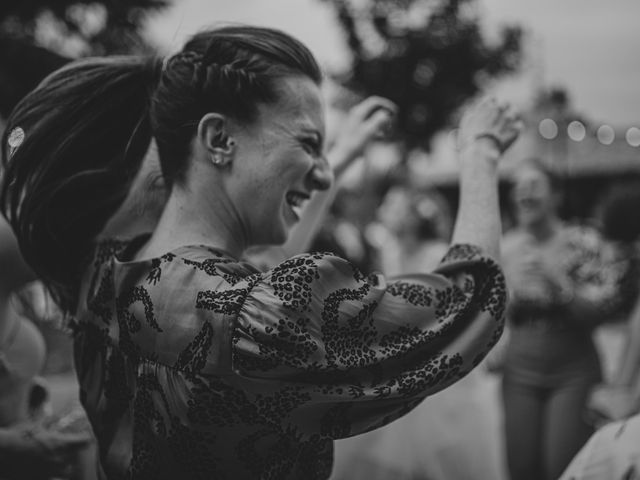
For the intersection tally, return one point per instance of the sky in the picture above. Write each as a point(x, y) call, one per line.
point(590, 47)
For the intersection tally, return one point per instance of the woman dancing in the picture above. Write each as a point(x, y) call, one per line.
point(191, 362)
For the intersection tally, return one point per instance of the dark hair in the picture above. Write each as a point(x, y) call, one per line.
point(88, 125)
point(619, 213)
point(230, 70)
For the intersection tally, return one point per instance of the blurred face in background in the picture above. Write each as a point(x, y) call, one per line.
point(533, 196)
point(394, 212)
point(408, 213)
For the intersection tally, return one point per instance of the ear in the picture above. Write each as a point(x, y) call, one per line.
point(213, 135)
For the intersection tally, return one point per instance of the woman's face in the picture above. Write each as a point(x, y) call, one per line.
point(279, 162)
point(533, 196)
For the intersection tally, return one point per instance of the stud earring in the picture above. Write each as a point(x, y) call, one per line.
point(220, 159)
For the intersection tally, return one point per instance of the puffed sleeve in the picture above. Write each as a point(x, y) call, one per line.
point(338, 353)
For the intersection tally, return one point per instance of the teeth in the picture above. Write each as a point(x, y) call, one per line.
point(296, 202)
point(297, 210)
point(295, 199)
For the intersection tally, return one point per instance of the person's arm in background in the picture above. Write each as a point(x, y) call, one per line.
point(628, 372)
point(367, 121)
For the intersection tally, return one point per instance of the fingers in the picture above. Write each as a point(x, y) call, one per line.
point(375, 115)
point(492, 119)
point(373, 118)
point(370, 105)
point(379, 124)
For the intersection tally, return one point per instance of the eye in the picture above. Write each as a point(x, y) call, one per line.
point(311, 146)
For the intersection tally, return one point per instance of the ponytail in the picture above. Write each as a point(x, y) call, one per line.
point(86, 130)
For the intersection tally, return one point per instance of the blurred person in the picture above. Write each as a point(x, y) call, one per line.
point(619, 396)
point(613, 452)
point(454, 434)
point(30, 447)
point(561, 287)
point(418, 226)
point(33, 444)
point(191, 362)
point(344, 233)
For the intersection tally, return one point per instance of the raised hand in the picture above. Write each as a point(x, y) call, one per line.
point(490, 120)
point(371, 119)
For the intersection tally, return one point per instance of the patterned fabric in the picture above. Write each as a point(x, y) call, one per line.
point(195, 365)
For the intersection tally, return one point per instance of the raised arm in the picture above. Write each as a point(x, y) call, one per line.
point(487, 129)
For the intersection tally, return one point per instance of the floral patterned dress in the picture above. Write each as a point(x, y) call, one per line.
point(196, 365)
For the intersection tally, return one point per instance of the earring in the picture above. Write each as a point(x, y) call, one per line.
point(220, 159)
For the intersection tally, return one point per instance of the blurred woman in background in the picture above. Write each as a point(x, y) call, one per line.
point(562, 286)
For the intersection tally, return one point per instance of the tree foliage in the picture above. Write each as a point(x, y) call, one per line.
point(428, 56)
point(38, 36)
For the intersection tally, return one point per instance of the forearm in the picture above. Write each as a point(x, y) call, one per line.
point(630, 363)
point(478, 219)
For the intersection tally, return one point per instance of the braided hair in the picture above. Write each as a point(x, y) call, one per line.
point(85, 129)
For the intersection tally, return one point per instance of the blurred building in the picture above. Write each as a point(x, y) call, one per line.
point(589, 158)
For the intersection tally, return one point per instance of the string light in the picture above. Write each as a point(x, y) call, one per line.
point(576, 131)
point(606, 135)
point(548, 128)
point(633, 136)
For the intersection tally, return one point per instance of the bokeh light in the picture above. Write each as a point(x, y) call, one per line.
point(548, 128)
point(576, 131)
point(606, 135)
point(633, 136)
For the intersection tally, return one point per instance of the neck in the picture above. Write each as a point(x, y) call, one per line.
point(186, 222)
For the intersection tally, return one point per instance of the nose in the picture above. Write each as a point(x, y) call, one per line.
point(321, 174)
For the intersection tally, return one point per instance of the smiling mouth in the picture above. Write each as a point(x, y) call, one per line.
point(296, 201)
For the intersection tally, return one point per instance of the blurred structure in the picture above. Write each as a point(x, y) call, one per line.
point(590, 158)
